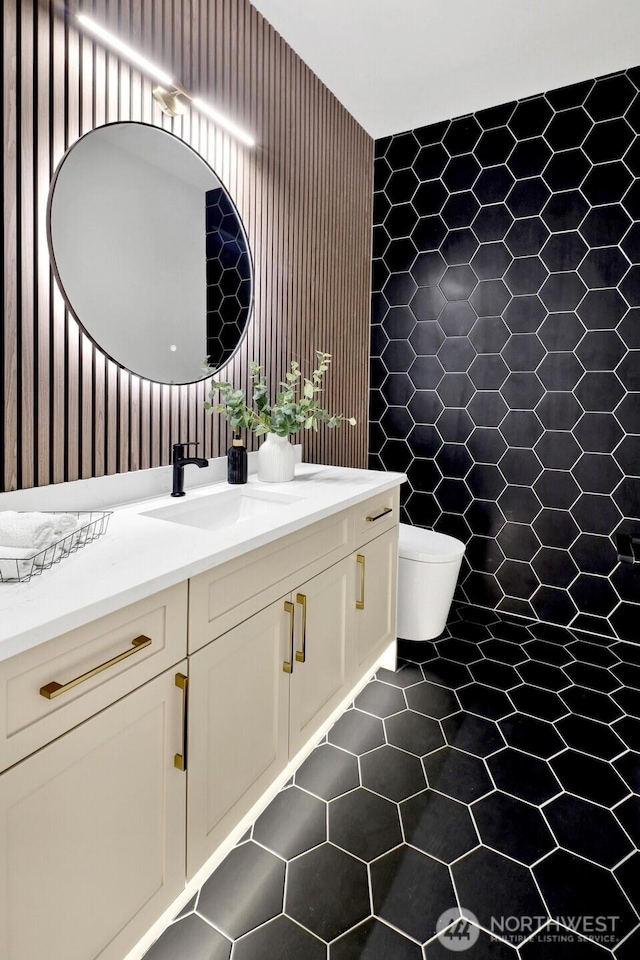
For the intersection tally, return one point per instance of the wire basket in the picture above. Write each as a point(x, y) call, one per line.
point(92, 525)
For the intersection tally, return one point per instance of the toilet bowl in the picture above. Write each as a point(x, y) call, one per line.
point(428, 568)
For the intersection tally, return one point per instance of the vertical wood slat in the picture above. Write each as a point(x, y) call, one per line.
point(9, 337)
point(304, 194)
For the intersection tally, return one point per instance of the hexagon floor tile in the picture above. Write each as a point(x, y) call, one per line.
point(426, 799)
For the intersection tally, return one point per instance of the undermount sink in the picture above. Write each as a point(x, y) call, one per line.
point(219, 510)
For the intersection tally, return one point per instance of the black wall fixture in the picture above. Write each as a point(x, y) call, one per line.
point(505, 371)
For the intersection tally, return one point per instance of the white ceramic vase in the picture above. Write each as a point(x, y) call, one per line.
point(276, 459)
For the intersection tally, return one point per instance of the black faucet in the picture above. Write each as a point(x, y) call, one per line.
point(180, 462)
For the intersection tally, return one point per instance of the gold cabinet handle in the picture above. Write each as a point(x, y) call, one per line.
point(54, 689)
point(301, 655)
point(287, 666)
point(360, 602)
point(180, 759)
point(378, 515)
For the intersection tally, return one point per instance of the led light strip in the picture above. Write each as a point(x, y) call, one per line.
point(149, 68)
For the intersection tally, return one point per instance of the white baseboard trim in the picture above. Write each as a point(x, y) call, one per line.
point(388, 662)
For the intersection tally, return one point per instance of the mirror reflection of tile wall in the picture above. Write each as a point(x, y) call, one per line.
point(228, 278)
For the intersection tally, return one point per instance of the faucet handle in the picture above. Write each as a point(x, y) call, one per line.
point(178, 448)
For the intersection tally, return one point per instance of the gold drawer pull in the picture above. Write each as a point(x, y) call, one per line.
point(378, 515)
point(301, 655)
point(287, 666)
point(180, 759)
point(360, 602)
point(54, 689)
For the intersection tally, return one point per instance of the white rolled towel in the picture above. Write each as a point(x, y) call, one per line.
point(35, 531)
point(15, 562)
point(65, 523)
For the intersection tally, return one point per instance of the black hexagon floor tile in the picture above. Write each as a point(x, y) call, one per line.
point(410, 891)
point(414, 732)
point(380, 699)
point(504, 651)
point(501, 676)
point(447, 673)
point(512, 827)
point(538, 737)
point(572, 887)
point(546, 652)
point(584, 797)
point(523, 776)
point(554, 942)
point(192, 938)
point(628, 700)
point(492, 886)
point(456, 774)
point(543, 675)
point(279, 938)
point(590, 736)
point(293, 822)
point(328, 772)
point(591, 704)
point(372, 940)
point(438, 825)
point(589, 778)
point(392, 773)
point(357, 732)
point(630, 948)
point(460, 651)
point(628, 876)
point(543, 704)
point(405, 676)
point(628, 729)
point(312, 882)
point(364, 824)
point(628, 813)
point(432, 700)
point(472, 733)
point(628, 767)
point(588, 830)
point(476, 943)
point(255, 871)
point(485, 701)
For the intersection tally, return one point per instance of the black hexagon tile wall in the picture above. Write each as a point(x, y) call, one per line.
point(505, 342)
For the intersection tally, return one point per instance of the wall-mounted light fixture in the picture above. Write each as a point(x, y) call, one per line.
point(171, 97)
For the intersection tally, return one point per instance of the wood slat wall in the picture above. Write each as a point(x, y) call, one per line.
point(304, 194)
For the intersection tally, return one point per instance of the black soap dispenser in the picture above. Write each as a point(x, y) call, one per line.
point(237, 469)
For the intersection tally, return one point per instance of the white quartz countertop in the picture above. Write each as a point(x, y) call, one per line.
point(141, 555)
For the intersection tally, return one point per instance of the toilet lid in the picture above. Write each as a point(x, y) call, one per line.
point(416, 543)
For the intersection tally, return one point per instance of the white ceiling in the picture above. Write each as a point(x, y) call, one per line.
point(400, 64)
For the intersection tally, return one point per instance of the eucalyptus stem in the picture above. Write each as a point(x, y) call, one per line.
point(297, 405)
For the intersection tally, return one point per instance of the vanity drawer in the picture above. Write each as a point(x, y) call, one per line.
point(376, 515)
point(222, 598)
point(53, 687)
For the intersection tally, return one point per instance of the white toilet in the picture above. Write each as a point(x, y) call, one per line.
point(428, 568)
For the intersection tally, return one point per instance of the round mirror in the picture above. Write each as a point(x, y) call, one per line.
point(150, 252)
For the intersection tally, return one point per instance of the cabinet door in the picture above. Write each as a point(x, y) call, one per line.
point(321, 671)
point(238, 726)
point(375, 599)
point(92, 832)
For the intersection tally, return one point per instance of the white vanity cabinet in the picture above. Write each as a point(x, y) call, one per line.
point(260, 692)
point(92, 832)
point(238, 727)
point(375, 608)
point(322, 670)
point(132, 747)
